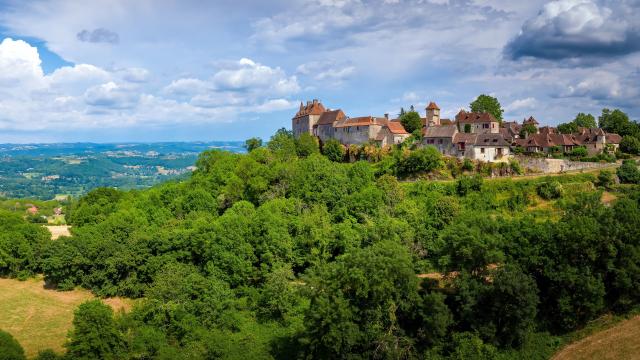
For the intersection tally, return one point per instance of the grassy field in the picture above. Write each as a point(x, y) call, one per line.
point(40, 318)
point(619, 342)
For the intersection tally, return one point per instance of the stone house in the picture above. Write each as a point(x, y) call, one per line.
point(441, 137)
point(490, 148)
point(477, 123)
point(325, 129)
point(392, 134)
point(307, 117)
point(358, 130)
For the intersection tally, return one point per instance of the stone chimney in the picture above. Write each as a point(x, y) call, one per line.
point(386, 116)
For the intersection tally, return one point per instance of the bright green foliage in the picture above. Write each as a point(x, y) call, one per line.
point(549, 190)
point(527, 130)
point(467, 128)
point(333, 150)
point(421, 161)
point(411, 121)
point(630, 145)
point(628, 173)
point(358, 302)
point(95, 334)
point(585, 121)
point(252, 144)
point(515, 166)
point(272, 254)
point(307, 144)
point(487, 104)
point(22, 246)
point(468, 247)
point(10, 349)
point(568, 128)
point(606, 179)
point(617, 122)
point(578, 151)
point(283, 144)
point(466, 184)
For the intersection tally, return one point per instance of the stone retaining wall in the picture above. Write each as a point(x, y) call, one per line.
point(554, 166)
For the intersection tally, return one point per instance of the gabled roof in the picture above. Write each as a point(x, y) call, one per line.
point(467, 138)
point(433, 106)
point(613, 138)
point(491, 140)
point(360, 121)
point(442, 131)
point(396, 127)
point(472, 117)
point(312, 108)
point(530, 121)
point(329, 117)
point(548, 140)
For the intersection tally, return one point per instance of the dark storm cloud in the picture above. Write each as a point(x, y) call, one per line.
point(99, 35)
point(584, 29)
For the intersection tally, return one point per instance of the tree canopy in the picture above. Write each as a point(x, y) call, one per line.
point(487, 104)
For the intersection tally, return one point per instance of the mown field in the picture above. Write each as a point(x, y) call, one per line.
point(39, 318)
point(618, 342)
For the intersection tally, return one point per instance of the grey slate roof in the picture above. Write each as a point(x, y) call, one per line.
point(442, 131)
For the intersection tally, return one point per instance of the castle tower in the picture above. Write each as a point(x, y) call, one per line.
point(433, 115)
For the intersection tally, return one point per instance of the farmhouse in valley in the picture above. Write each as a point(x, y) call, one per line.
point(477, 136)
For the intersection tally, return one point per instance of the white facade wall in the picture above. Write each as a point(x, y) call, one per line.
point(490, 153)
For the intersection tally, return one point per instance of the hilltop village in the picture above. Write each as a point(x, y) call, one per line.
point(476, 136)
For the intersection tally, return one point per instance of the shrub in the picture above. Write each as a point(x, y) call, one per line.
point(515, 167)
point(306, 144)
point(579, 151)
point(628, 173)
point(467, 184)
point(333, 150)
point(630, 145)
point(605, 178)
point(421, 161)
point(549, 190)
point(467, 164)
point(411, 121)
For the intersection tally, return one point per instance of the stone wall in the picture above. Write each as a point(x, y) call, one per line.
point(553, 166)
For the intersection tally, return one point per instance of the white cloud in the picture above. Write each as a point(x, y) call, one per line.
point(187, 86)
point(19, 64)
point(521, 104)
point(249, 75)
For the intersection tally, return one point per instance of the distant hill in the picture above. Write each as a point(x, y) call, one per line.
point(46, 170)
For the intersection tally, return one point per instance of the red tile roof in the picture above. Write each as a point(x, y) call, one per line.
point(312, 108)
point(472, 117)
point(361, 121)
point(433, 106)
point(329, 117)
point(531, 121)
point(396, 127)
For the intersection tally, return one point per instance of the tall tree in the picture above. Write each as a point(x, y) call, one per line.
point(585, 121)
point(616, 122)
point(95, 334)
point(411, 121)
point(487, 104)
point(253, 143)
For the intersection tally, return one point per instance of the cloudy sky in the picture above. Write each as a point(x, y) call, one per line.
point(161, 70)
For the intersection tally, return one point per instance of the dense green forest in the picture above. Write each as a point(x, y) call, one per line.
point(283, 253)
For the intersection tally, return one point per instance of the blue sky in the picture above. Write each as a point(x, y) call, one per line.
point(165, 70)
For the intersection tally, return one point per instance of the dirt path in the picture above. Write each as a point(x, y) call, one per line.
point(58, 230)
point(620, 342)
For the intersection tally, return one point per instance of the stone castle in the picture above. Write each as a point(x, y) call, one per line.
point(477, 136)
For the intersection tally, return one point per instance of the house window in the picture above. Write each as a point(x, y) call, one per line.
point(439, 141)
point(482, 150)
